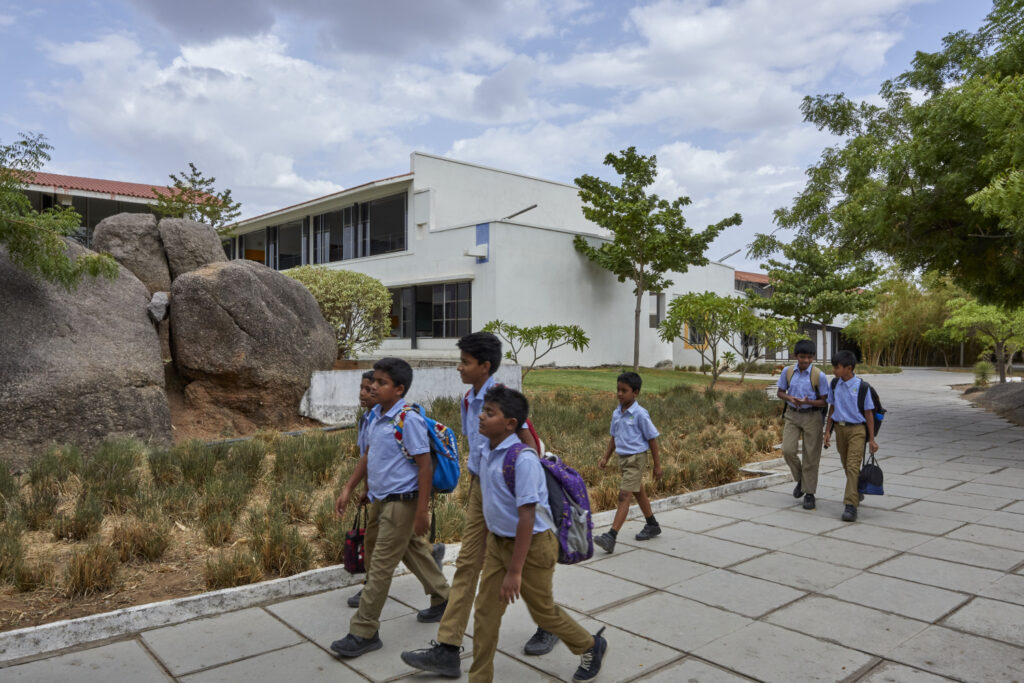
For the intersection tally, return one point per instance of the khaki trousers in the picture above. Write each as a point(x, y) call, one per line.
point(809, 426)
point(372, 526)
point(396, 543)
point(538, 572)
point(850, 443)
point(467, 570)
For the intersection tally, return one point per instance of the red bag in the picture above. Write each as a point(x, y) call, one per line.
point(354, 540)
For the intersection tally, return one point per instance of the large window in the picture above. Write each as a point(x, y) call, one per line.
point(451, 310)
point(286, 245)
point(436, 311)
point(364, 229)
point(254, 246)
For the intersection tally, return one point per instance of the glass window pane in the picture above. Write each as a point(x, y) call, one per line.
point(438, 329)
point(451, 292)
point(463, 290)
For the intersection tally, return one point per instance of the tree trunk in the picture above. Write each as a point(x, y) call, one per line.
point(636, 329)
point(1000, 348)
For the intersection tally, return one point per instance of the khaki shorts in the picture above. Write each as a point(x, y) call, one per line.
point(632, 467)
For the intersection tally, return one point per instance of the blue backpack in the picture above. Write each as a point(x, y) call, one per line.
point(444, 448)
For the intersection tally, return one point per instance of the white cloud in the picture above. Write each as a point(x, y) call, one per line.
point(6, 20)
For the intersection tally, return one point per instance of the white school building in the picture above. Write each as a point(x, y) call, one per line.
point(460, 244)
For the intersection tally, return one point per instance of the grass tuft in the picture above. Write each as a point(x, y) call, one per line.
point(145, 539)
point(109, 473)
point(90, 570)
point(84, 522)
point(280, 548)
point(30, 576)
point(232, 568)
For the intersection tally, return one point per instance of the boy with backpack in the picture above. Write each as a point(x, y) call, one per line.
point(403, 488)
point(805, 390)
point(479, 359)
point(633, 434)
point(521, 547)
point(851, 414)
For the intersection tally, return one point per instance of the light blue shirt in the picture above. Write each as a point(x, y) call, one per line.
point(501, 508)
point(800, 387)
point(387, 469)
point(844, 398)
point(471, 406)
point(364, 429)
point(632, 429)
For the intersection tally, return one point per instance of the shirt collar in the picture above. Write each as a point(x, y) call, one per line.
point(631, 409)
point(509, 441)
point(395, 409)
point(483, 390)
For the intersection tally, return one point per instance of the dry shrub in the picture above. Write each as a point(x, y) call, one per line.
point(177, 501)
point(247, 457)
point(332, 542)
point(38, 503)
point(323, 518)
point(232, 568)
point(218, 527)
point(280, 548)
point(8, 490)
point(90, 570)
point(11, 551)
point(135, 538)
point(30, 576)
point(84, 522)
point(293, 496)
point(109, 473)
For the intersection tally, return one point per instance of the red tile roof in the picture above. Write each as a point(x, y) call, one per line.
point(757, 278)
point(112, 187)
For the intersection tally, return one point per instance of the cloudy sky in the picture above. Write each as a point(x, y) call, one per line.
point(284, 100)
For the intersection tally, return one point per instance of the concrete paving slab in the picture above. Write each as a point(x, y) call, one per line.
point(649, 568)
point(956, 513)
point(629, 655)
point(886, 502)
point(324, 617)
point(407, 589)
point(1010, 588)
point(508, 669)
point(587, 591)
point(770, 653)
point(304, 662)
point(959, 466)
point(847, 624)
point(869, 534)
point(691, 669)
point(403, 633)
point(961, 656)
point(835, 551)
point(808, 521)
point(758, 535)
point(890, 672)
point(990, 535)
point(1017, 508)
point(772, 499)
point(746, 595)
point(913, 600)
point(916, 478)
point(626, 540)
point(1007, 477)
point(208, 642)
point(970, 553)
point(726, 507)
point(690, 520)
point(123, 661)
point(990, 618)
point(798, 572)
point(950, 475)
point(935, 572)
point(705, 549)
point(1007, 492)
point(909, 492)
point(657, 617)
point(906, 521)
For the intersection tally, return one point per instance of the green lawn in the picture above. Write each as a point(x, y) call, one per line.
point(603, 379)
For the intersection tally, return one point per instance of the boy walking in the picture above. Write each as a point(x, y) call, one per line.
point(852, 426)
point(633, 434)
point(805, 390)
point(479, 359)
point(397, 483)
point(521, 548)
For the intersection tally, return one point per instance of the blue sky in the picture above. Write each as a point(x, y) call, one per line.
point(287, 100)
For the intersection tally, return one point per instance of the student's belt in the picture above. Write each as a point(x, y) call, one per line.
point(848, 424)
point(398, 497)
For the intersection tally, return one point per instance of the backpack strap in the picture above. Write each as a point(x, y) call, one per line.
point(815, 379)
point(399, 425)
point(862, 392)
point(508, 464)
point(788, 374)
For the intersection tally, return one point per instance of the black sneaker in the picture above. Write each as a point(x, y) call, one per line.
point(438, 553)
point(648, 532)
point(590, 661)
point(540, 643)
point(809, 501)
point(437, 659)
point(797, 492)
point(606, 542)
point(353, 600)
point(850, 514)
point(353, 646)
point(432, 614)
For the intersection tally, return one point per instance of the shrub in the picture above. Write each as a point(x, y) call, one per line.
point(247, 457)
point(8, 490)
point(85, 521)
point(982, 372)
point(332, 541)
point(143, 539)
point(90, 570)
point(217, 527)
point(177, 501)
point(293, 496)
point(38, 503)
point(30, 576)
point(324, 518)
point(311, 456)
point(197, 461)
point(279, 547)
point(230, 569)
point(164, 467)
point(109, 473)
point(11, 551)
point(225, 494)
point(55, 466)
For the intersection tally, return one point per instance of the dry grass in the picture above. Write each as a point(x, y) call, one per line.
point(232, 568)
point(90, 570)
point(143, 539)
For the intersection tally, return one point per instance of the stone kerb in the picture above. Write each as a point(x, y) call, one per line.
point(333, 396)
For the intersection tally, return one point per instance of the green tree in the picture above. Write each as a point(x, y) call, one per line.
point(357, 306)
point(814, 283)
point(932, 175)
point(710, 318)
point(755, 334)
point(540, 339)
point(649, 234)
point(1000, 328)
point(192, 195)
point(35, 240)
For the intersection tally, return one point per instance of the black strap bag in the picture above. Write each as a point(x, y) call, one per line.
point(870, 480)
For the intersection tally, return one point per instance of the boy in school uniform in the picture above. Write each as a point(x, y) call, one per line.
point(479, 359)
point(803, 419)
point(853, 428)
point(632, 434)
point(521, 547)
point(403, 521)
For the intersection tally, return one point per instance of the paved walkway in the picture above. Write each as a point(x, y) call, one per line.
point(928, 585)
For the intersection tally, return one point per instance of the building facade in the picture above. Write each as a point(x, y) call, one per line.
point(93, 198)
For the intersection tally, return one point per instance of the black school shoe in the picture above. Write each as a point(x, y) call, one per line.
point(353, 600)
point(648, 532)
point(540, 643)
point(431, 615)
point(809, 501)
point(438, 553)
point(590, 661)
point(797, 492)
point(605, 541)
point(437, 659)
point(353, 646)
point(850, 514)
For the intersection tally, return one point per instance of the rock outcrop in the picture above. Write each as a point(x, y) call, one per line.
point(1006, 400)
point(247, 338)
point(133, 239)
point(189, 245)
point(77, 366)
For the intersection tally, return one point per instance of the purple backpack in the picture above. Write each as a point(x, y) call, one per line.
point(569, 502)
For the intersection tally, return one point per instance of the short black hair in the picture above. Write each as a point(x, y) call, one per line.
point(805, 346)
point(847, 358)
point(512, 403)
point(484, 347)
point(632, 379)
point(398, 370)
point(368, 375)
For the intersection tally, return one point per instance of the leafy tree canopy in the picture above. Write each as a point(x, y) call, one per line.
point(714, 318)
point(357, 306)
point(192, 195)
point(931, 176)
point(35, 240)
point(649, 234)
point(540, 339)
point(1000, 328)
